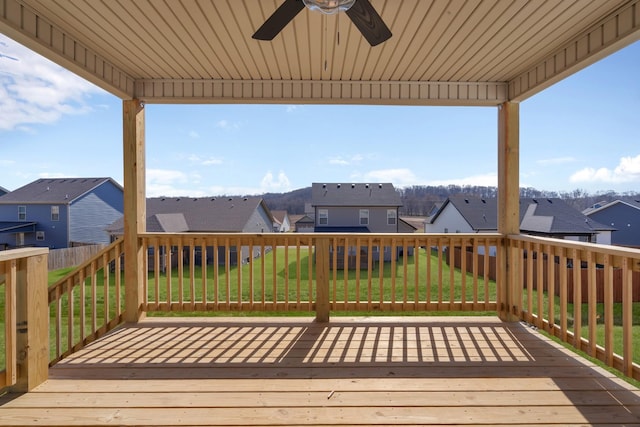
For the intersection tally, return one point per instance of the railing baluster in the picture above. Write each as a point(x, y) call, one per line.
point(592, 303)
point(627, 317)
point(608, 310)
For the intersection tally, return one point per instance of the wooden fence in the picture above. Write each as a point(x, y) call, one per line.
point(70, 257)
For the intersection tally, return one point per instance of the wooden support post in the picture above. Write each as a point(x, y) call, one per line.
point(510, 295)
point(32, 319)
point(134, 207)
point(322, 279)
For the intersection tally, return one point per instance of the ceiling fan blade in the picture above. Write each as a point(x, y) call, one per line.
point(370, 24)
point(279, 19)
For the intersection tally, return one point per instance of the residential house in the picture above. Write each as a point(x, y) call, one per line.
point(281, 221)
point(358, 208)
point(623, 216)
point(60, 212)
point(207, 215)
point(548, 217)
point(304, 223)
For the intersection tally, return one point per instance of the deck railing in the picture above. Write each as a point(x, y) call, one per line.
point(319, 273)
point(87, 303)
point(24, 354)
point(585, 294)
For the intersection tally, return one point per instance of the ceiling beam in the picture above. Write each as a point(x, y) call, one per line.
point(618, 30)
point(321, 92)
point(33, 31)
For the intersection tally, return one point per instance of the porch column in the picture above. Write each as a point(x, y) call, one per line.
point(510, 286)
point(134, 207)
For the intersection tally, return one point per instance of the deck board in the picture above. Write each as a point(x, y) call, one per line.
point(352, 371)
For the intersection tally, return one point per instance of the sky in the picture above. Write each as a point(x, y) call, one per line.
point(580, 134)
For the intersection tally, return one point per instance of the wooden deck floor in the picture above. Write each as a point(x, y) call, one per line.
point(352, 371)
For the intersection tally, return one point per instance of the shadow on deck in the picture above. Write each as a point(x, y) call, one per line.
point(351, 371)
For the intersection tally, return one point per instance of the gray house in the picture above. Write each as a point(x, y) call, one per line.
point(548, 217)
point(358, 208)
point(623, 216)
point(60, 213)
point(207, 215)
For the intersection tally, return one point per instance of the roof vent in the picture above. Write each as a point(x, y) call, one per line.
point(324, 185)
point(366, 186)
point(379, 185)
point(66, 196)
point(549, 200)
point(230, 198)
point(195, 200)
point(535, 201)
point(245, 199)
point(338, 185)
point(178, 199)
point(213, 199)
point(484, 201)
point(466, 200)
point(48, 188)
point(353, 186)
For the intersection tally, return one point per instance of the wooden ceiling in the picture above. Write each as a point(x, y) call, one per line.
point(456, 52)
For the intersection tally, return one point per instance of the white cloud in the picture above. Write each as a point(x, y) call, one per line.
point(227, 125)
point(556, 161)
point(398, 177)
point(627, 170)
point(35, 90)
point(485, 180)
point(349, 161)
point(194, 158)
point(270, 184)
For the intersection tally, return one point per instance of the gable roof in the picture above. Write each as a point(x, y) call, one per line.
point(205, 214)
point(54, 190)
point(305, 219)
point(603, 206)
point(279, 216)
point(537, 215)
point(354, 195)
point(3, 191)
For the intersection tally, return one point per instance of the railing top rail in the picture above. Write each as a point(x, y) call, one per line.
point(88, 262)
point(572, 244)
point(323, 234)
point(22, 253)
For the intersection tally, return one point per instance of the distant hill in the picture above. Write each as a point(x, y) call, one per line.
point(419, 200)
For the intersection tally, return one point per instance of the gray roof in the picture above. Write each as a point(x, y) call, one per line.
point(54, 190)
point(604, 205)
point(205, 214)
point(537, 215)
point(337, 194)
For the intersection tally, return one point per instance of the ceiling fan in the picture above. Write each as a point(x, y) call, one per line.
point(361, 13)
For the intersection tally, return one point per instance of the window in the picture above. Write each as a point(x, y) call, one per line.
point(391, 217)
point(323, 217)
point(22, 213)
point(364, 216)
point(55, 213)
point(39, 235)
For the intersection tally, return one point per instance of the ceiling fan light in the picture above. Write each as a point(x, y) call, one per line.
point(329, 7)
